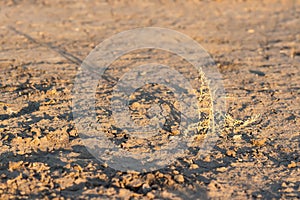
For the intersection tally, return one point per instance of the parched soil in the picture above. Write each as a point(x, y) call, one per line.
point(256, 47)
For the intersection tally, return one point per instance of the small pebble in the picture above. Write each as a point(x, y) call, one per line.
point(175, 172)
point(231, 153)
point(194, 166)
point(292, 165)
point(283, 184)
point(221, 169)
point(237, 137)
point(179, 178)
point(259, 142)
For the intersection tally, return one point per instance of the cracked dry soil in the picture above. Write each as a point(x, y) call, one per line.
point(256, 47)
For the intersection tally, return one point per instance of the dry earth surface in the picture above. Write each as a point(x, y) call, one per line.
point(256, 45)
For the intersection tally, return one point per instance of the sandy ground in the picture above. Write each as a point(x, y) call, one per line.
point(256, 47)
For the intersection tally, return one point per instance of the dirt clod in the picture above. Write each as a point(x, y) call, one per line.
point(292, 165)
point(179, 178)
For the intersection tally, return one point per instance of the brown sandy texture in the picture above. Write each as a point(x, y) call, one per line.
point(256, 45)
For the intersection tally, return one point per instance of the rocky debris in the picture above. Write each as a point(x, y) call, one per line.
point(58, 137)
point(179, 178)
point(14, 165)
point(237, 137)
point(292, 164)
point(231, 153)
point(194, 166)
point(259, 142)
point(221, 169)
